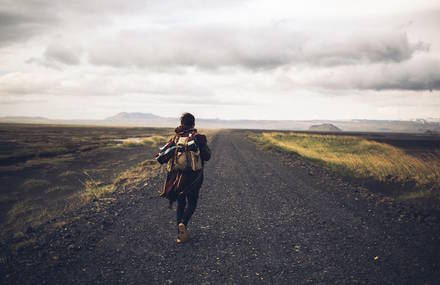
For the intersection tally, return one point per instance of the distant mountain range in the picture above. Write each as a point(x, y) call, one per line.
point(151, 120)
point(133, 117)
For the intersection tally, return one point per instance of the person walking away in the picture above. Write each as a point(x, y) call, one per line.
point(185, 155)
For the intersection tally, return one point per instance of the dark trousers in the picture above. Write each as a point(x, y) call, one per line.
point(184, 214)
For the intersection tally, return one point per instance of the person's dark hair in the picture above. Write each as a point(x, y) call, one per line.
point(187, 119)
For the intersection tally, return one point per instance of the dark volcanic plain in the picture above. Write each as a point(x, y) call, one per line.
point(263, 217)
point(43, 168)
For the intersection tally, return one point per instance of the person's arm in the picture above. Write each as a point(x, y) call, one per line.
point(166, 152)
point(205, 152)
point(202, 142)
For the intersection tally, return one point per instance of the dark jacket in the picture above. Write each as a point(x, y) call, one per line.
point(183, 182)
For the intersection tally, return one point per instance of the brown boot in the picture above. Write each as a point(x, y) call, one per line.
point(182, 235)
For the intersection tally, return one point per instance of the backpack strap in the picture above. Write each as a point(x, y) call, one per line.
point(175, 139)
point(193, 134)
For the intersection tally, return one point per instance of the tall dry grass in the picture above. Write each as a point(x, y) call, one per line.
point(154, 140)
point(361, 157)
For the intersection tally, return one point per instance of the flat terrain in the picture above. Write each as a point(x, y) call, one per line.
point(263, 217)
point(47, 168)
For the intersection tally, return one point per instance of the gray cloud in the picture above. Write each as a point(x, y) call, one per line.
point(21, 20)
point(193, 46)
point(170, 53)
point(19, 26)
point(253, 48)
point(368, 47)
point(408, 77)
point(57, 56)
point(63, 54)
point(418, 74)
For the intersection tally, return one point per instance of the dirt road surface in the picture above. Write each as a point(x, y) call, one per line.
point(262, 218)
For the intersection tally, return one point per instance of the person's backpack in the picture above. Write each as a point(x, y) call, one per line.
point(187, 154)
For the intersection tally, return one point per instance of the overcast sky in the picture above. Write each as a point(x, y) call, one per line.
point(339, 59)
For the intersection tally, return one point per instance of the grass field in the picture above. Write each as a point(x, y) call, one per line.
point(46, 170)
point(362, 158)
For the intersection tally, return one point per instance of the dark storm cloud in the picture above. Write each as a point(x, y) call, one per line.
point(252, 48)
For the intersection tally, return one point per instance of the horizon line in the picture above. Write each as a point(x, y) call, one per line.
point(219, 119)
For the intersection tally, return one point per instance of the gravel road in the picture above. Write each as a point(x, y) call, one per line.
point(263, 217)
